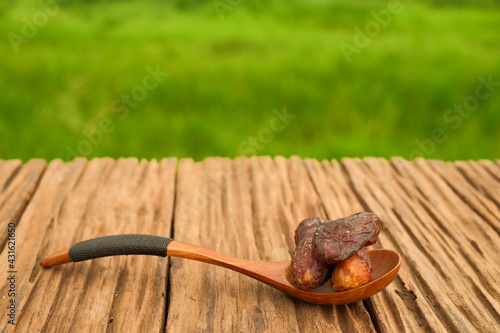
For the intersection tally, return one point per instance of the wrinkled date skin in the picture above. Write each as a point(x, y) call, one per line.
point(337, 240)
point(353, 272)
point(307, 272)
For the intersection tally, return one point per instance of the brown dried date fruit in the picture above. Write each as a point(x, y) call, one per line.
point(353, 272)
point(337, 240)
point(307, 272)
point(307, 228)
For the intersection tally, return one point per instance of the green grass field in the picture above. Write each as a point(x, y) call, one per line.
point(64, 92)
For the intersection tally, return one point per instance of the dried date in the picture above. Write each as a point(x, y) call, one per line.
point(307, 271)
point(353, 272)
point(338, 240)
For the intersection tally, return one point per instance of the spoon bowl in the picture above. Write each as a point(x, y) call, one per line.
point(386, 264)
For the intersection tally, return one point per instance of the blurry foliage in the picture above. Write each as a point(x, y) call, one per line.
point(227, 76)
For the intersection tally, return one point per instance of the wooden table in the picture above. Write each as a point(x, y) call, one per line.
point(443, 218)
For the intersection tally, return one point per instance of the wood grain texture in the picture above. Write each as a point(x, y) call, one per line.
point(8, 170)
point(247, 208)
point(447, 284)
point(442, 217)
point(17, 185)
point(85, 200)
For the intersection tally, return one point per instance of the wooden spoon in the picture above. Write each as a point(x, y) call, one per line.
point(386, 265)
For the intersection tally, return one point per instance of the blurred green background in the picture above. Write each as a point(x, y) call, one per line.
point(356, 78)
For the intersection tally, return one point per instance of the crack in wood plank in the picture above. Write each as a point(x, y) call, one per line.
point(8, 172)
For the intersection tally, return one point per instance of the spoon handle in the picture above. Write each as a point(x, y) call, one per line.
point(141, 244)
point(271, 273)
point(110, 246)
point(152, 245)
point(157, 246)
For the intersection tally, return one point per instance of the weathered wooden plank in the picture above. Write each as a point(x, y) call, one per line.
point(29, 238)
point(445, 289)
point(214, 210)
point(469, 272)
point(478, 210)
point(8, 170)
point(333, 188)
point(390, 312)
point(491, 167)
point(85, 200)
point(482, 178)
point(304, 202)
point(250, 212)
point(444, 218)
point(17, 191)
